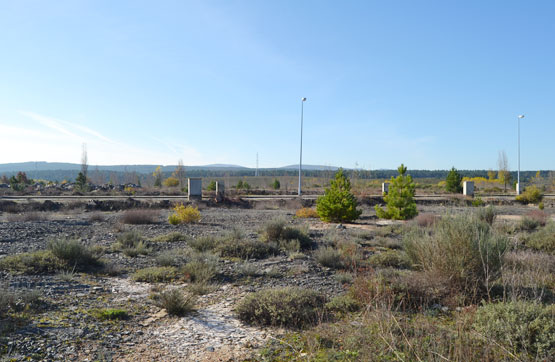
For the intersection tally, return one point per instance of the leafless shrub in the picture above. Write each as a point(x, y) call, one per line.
point(426, 220)
point(140, 216)
point(96, 217)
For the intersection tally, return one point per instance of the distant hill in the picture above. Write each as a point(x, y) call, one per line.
point(310, 167)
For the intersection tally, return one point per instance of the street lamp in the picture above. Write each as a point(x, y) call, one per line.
point(303, 99)
point(520, 116)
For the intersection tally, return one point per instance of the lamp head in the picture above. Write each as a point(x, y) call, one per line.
point(521, 116)
point(303, 99)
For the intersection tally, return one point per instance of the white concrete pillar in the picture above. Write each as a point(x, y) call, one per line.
point(468, 188)
point(195, 188)
point(385, 187)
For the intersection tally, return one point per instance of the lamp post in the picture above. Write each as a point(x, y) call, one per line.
point(520, 116)
point(303, 99)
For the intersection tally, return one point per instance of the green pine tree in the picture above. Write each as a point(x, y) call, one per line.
point(453, 181)
point(81, 182)
point(399, 200)
point(276, 184)
point(338, 203)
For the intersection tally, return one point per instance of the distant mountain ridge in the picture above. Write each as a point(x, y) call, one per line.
point(65, 166)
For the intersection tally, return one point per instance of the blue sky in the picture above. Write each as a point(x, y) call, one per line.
point(432, 84)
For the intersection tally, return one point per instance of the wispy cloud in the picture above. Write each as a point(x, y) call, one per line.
point(65, 126)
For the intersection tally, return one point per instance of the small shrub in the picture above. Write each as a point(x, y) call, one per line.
point(155, 274)
point(141, 248)
point(539, 216)
point(184, 215)
point(477, 202)
point(541, 205)
point(132, 243)
point(426, 220)
point(522, 327)
point(170, 258)
point(276, 231)
point(201, 269)
point(246, 249)
point(463, 249)
point(139, 217)
point(111, 314)
point(24, 300)
point(203, 243)
point(285, 307)
point(389, 259)
point(170, 238)
point(343, 304)
point(73, 253)
point(276, 185)
point(306, 212)
point(338, 204)
point(329, 257)
point(543, 239)
point(344, 278)
point(532, 195)
point(37, 262)
point(487, 214)
point(28, 217)
point(175, 303)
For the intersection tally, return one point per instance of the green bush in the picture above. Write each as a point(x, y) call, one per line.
point(24, 300)
point(543, 239)
point(532, 195)
point(73, 253)
point(343, 304)
point(276, 185)
point(175, 303)
point(399, 200)
point(285, 307)
point(462, 248)
point(132, 243)
point(201, 269)
point(453, 182)
point(477, 202)
point(338, 204)
point(521, 327)
point(155, 274)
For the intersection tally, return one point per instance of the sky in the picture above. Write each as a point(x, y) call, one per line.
point(431, 84)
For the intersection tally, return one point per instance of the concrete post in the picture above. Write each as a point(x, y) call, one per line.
point(518, 188)
point(220, 191)
point(195, 188)
point(468, 188)
point(385, 187)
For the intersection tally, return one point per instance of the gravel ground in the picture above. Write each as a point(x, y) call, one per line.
point(65, 328)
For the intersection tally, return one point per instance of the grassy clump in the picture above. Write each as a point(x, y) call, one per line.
point(543, 239)
point(184, 215)
point(285, 307)
point(521, 327)
point(202, 268)
point(140, 216)
point(170, 238)
point(203, 243)
point(73, 253)
point(111, 314)
point(343, 304)
point(464, 249)
point(156, 274)
point(175, 302)
point(246, 249)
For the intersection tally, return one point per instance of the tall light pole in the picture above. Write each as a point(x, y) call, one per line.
point(303, 99)
point(520, 116)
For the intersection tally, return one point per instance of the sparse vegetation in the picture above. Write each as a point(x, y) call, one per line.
point(543, 239)
point(453, 181)
point(306, 212)
point(170, 238)
point(73, 253)
point(156, 274)
point(175, 302)
point(532, 195)
point(111, 314)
